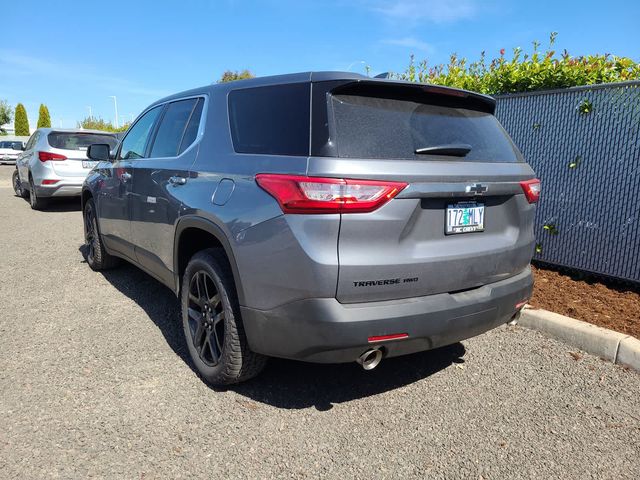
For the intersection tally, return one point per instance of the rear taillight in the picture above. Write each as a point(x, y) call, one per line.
point(297, 194)
point(47, 156)
point(531, 190)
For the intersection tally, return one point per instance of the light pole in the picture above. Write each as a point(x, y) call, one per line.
point(90, 112)
point(115, 104)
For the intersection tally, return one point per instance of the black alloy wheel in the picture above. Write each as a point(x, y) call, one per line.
point(206, 317)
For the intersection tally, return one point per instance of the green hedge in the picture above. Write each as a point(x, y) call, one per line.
point(524, 72)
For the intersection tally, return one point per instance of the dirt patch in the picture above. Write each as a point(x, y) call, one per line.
point(608, 306)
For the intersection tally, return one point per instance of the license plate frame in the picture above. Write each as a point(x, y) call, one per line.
point(464, 217)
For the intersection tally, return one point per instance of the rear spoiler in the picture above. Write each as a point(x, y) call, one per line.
point(417, 92)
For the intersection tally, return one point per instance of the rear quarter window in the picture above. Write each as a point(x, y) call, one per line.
point(272, 120)
point(386, 128)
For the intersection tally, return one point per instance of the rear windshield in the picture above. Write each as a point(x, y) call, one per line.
point(79, 141)
point(370, 127)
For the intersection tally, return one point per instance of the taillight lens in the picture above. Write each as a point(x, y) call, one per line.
point(531, 190)
point(298, 194)
point(47, 156)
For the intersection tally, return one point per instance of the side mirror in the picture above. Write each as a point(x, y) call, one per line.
point(99, 152)
point(18, 146)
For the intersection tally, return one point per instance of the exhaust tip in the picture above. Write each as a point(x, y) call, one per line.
point(370, 359)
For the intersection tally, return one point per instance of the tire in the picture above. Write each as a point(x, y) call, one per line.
point(211, 321)
point(17, 185)
point(95, 254)
point(36, 202)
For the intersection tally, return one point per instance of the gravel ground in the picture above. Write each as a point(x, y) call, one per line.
point(94, 382)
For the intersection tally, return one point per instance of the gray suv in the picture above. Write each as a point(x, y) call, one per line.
point(325, 217)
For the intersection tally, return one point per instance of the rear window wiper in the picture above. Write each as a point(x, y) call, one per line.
point(452, 149)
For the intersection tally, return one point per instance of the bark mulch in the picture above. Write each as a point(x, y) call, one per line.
point(610, 306)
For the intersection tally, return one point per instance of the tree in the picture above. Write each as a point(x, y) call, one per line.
point(21, 122)
point(44, 120)
point(230, 76)
point(6, 115)
point(97, 123)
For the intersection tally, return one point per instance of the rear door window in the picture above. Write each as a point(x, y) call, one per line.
point(271, 120)
point(173, 127)
point(388, 128)
point(79, 141)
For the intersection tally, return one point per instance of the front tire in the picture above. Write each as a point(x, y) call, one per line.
point(96, 256)
point(36, 202)
point(211, 322)
point(17, 185)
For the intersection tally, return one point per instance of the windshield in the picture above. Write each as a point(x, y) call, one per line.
point(10, 144)
point(386, 128)
point(79, 141)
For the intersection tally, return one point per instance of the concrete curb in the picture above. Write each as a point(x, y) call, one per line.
point(606, 344)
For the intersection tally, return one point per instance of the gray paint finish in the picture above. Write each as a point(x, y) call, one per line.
point(281, 262)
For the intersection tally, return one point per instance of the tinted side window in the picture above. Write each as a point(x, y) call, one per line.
point(172, 128)
point(271, 120)
point(191, 132)
point(133, 145)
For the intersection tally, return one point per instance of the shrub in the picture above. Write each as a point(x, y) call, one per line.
point(97, 123)
point(21, 122)
point(44, 120)
point(524, 72)
point(230, 76)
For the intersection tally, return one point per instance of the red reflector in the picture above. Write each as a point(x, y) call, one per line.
point(298, 194)
point(46, 156)
point(393, 336)
point(531, 190)
point(520, 305)
point(49, 182)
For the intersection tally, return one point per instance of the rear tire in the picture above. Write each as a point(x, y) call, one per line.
point(36, 202)
point(17, 185)
point(95, 254)
point(212, 324)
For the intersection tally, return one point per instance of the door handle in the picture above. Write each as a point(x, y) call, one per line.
point(175, 180)
point(125, 177)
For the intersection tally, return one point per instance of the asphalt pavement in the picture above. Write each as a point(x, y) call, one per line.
point(95, 382)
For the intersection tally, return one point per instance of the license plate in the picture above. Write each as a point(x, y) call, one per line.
point(87, 164)
point(465, 217)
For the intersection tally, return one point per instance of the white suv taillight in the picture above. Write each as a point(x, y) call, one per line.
point(531, 190)
point(298, 194)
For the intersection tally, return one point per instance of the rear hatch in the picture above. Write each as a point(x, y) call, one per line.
point(461, 221)
point(69, 151)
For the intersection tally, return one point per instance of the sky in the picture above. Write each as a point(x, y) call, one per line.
point(74, 56)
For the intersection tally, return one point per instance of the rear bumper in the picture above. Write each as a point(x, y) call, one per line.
point(62, 189)
point(326, 331)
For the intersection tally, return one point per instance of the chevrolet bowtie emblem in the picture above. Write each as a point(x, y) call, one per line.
point(476, 188)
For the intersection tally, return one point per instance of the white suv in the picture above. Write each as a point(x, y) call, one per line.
point(54, 163)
